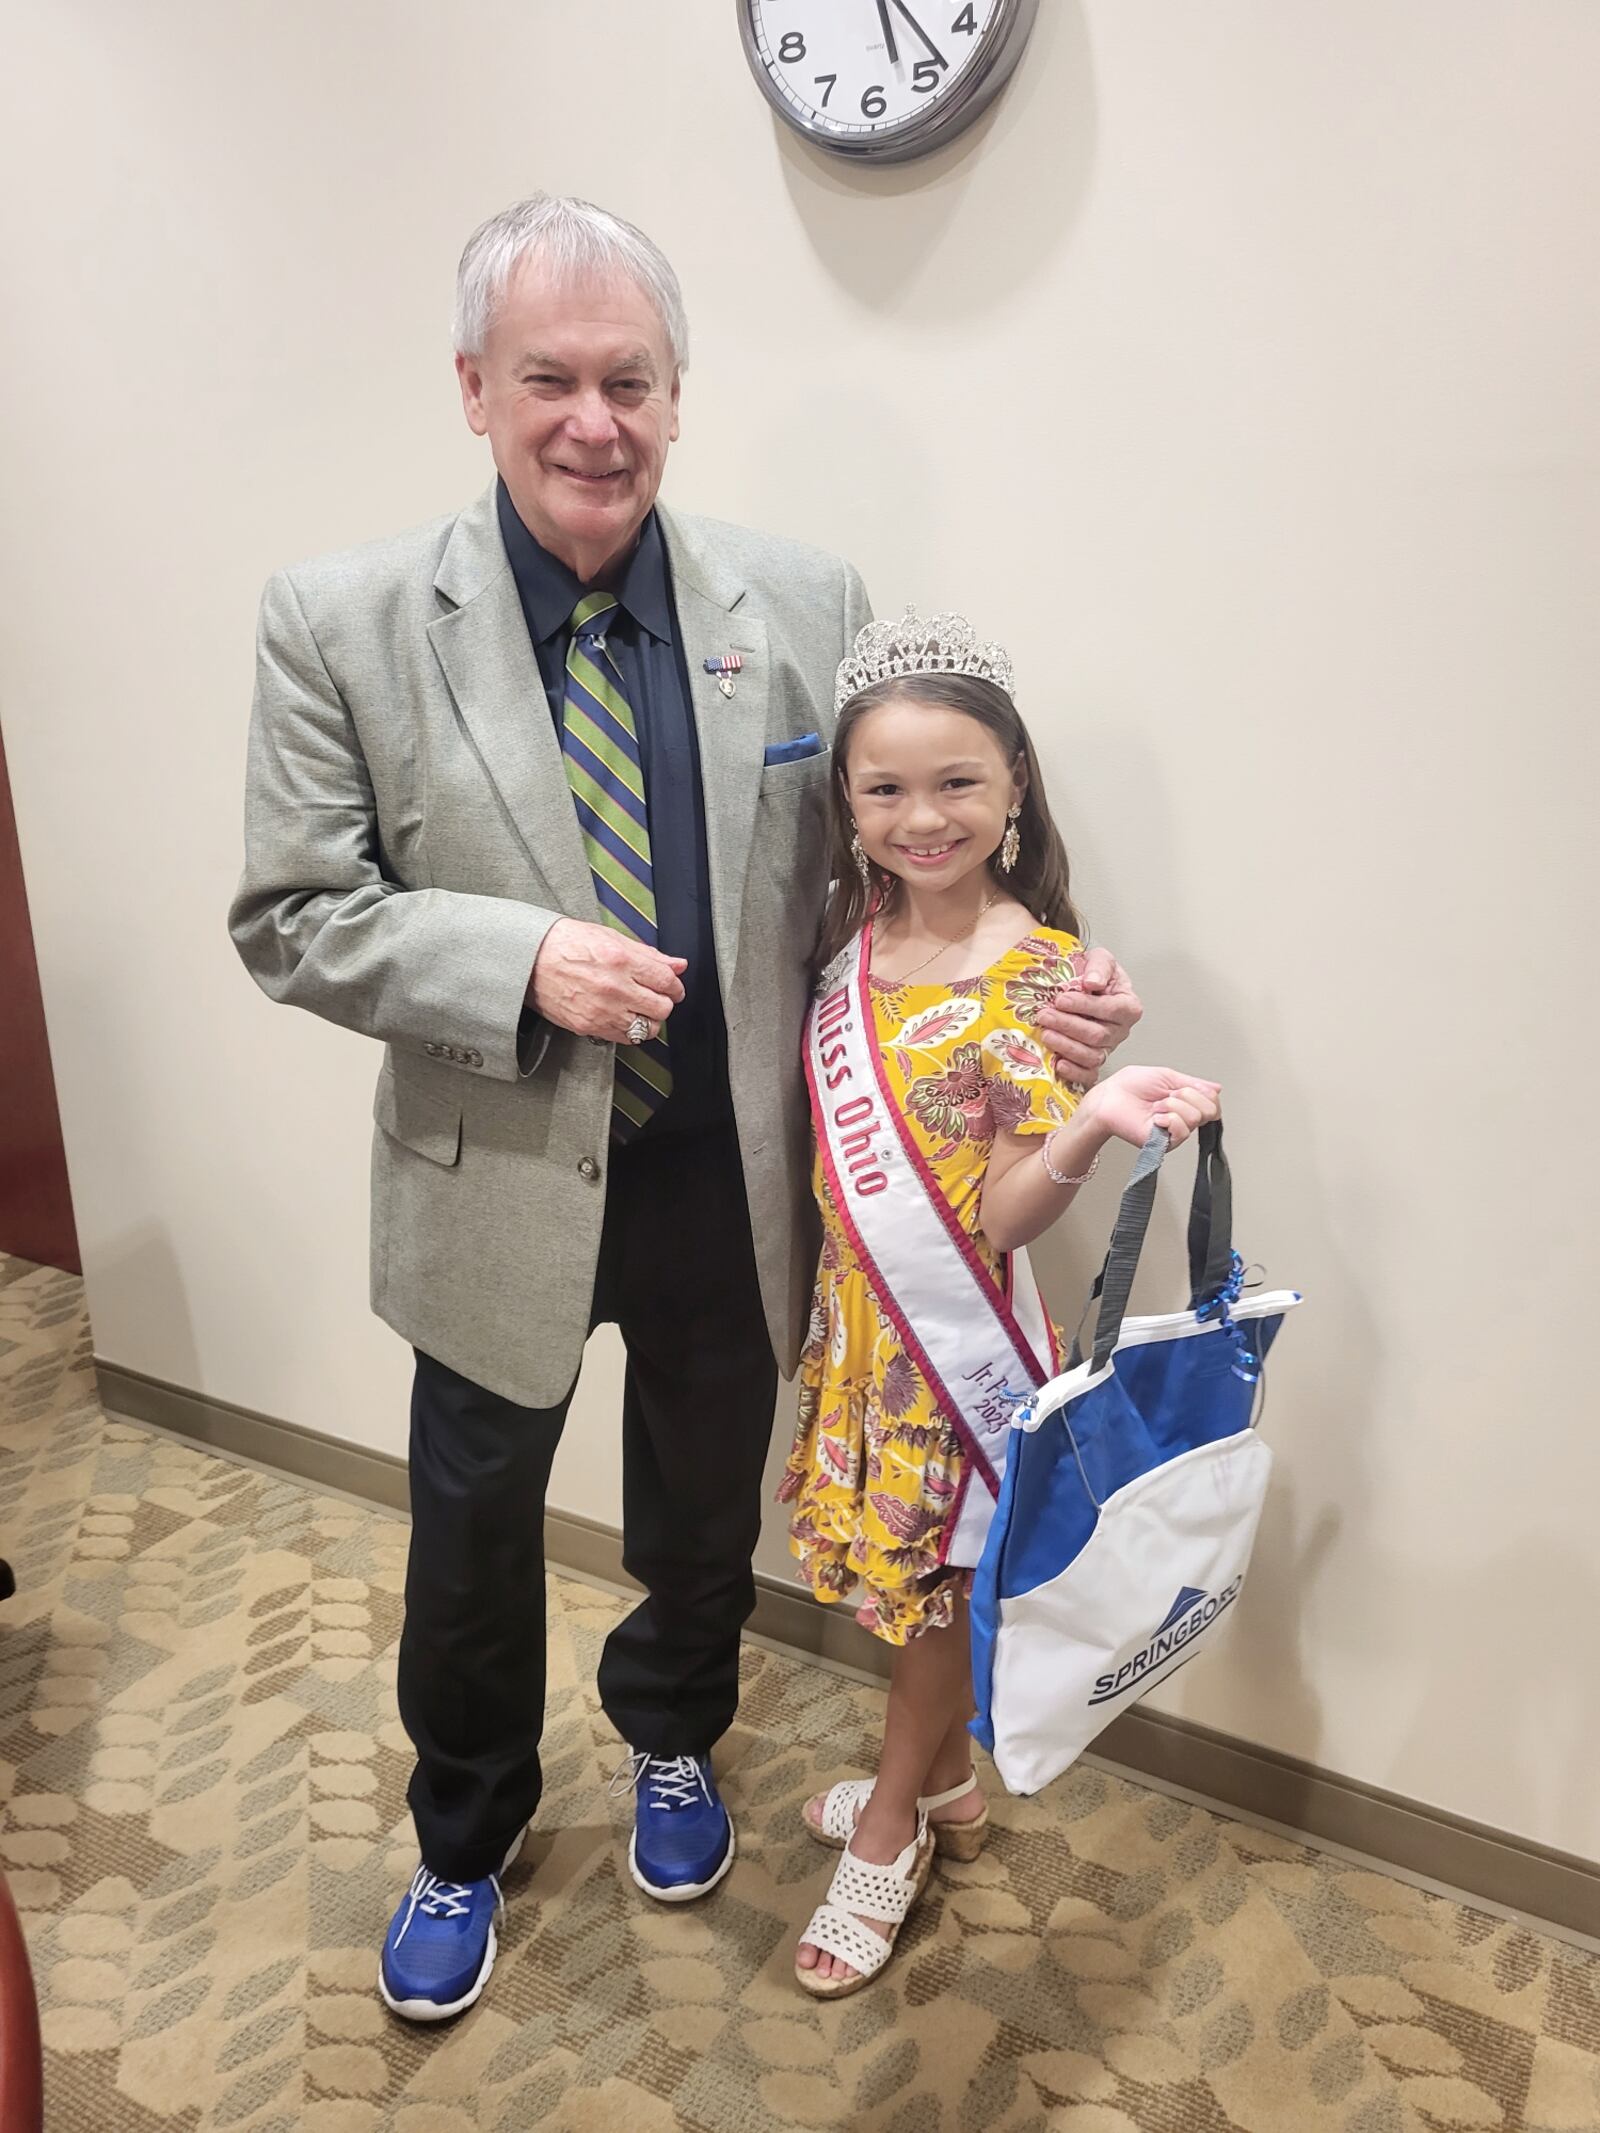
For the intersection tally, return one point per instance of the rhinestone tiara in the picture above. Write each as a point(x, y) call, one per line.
point(919, 644)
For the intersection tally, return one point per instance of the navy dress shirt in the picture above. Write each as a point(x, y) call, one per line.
point(645, 642)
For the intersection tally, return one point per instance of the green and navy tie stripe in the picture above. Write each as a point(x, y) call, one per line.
point(601, 751)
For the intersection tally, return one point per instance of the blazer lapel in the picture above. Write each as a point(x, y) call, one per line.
point(732, 730)
point(482, 645)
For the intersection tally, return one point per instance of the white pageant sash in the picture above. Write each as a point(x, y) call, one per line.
point(980, 1349)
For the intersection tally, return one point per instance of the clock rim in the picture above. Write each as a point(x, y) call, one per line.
point(922, 131)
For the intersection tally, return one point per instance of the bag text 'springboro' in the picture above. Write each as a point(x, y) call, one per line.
point(1168, 1639)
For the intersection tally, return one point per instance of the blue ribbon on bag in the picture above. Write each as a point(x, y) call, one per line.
point(1246, 1362)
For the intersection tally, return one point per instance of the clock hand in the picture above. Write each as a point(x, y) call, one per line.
point(888, 32)
point(934, 52)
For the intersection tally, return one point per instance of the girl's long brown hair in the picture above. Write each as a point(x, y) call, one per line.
point(1039, 880)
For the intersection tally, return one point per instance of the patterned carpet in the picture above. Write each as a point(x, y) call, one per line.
point(202, 1820)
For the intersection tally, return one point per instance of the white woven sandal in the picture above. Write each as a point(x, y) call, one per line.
point(860, 1890)
point(842, 1805)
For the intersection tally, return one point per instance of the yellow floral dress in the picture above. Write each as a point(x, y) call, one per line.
point(875, 1471)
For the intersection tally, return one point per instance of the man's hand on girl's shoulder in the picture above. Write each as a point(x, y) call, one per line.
point(1083, 1025)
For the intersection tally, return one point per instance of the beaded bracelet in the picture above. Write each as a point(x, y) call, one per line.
point(1059, 1177)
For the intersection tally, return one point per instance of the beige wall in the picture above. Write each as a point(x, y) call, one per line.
point(1235, 374)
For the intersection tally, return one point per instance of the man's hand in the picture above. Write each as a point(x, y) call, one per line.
point(1084, 1025)
point(594, 980)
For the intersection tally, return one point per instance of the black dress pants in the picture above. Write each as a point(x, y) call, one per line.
point(677, 1275)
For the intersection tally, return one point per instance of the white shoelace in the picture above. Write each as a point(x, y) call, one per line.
point(435, 1899)
point(672, 1781)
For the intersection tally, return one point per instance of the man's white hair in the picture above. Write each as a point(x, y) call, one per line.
point(576, 241)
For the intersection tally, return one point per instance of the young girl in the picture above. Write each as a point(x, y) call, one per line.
point(944, 1144)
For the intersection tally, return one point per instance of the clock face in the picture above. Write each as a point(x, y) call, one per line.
point(883, 78)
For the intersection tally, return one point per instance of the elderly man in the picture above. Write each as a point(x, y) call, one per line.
point(536, 797)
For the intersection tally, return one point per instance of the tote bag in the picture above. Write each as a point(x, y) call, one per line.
point(1132, 1491)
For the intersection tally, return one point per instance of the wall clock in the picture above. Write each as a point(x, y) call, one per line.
point(885, 79)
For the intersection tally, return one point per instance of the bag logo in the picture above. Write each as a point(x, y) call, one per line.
point(1189, 1616)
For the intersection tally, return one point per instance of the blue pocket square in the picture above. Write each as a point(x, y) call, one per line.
point(795, 751)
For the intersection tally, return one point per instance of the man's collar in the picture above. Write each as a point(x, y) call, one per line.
point(550, 591)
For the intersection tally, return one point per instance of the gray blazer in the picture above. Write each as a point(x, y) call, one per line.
point(410, 838)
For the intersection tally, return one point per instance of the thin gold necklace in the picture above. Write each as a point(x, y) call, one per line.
point(991, 899)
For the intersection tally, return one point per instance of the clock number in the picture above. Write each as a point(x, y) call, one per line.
point(831, 80)
point(873, 102)
point(792, 46)
point(925, 75)
point(965, 21)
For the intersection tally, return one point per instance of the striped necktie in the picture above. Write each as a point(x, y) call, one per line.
point(601, 751)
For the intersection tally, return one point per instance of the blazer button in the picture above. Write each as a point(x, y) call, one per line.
point(589, 1168)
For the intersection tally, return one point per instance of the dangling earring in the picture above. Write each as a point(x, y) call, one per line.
point(1011, 842)
point(858, 855)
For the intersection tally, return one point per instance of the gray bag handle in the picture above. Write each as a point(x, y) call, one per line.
point(1210, 1236)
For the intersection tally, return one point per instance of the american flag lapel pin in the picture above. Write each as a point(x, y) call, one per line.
point(724, 669)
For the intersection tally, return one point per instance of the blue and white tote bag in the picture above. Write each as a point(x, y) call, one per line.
point(1132, 1492)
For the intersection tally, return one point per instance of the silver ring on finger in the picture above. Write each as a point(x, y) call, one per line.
point(640, 1030)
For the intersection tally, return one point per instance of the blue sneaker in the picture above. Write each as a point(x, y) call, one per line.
point(682, 1841)
point(440, 1946)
